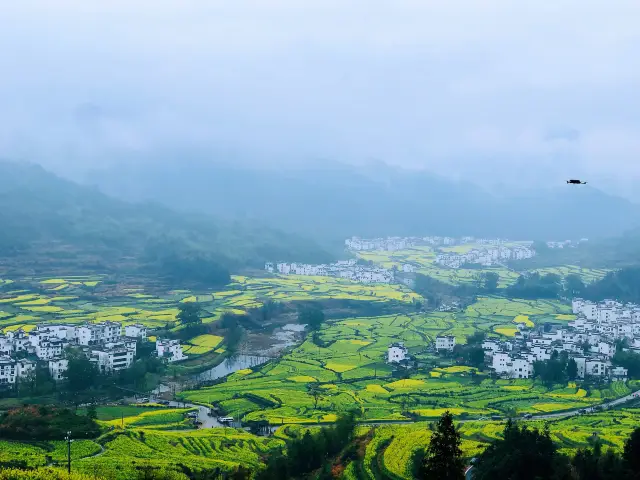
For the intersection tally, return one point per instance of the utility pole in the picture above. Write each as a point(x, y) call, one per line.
point(68, 440)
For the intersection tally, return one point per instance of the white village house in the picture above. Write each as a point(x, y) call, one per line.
point(590, 340)
point(171, 350)
point(396, 353)
point(348, 269)
point(445, 342)
point(103, 343)
point(58, 367)
point(11, 370)
point(136, 331)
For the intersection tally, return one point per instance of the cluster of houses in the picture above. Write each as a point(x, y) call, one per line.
point(566, 243)
point(398, 353)
point(590, 340)
point(348, 269)
point(390, 244)
point(486, 256)
point(110, 346)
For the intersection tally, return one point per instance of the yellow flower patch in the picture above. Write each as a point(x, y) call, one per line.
point(303, 379)
point(339, 367)
point(405, 383)
point(376, 388)
point(525, 320)
point(506, 331)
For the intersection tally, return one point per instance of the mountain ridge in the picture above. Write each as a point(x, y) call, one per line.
point(46, 218)
point(334, 200)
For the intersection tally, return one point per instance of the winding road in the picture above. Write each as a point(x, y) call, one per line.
point(212, 422)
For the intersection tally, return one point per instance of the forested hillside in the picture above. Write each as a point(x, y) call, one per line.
point(48, 222)
point(330, 200)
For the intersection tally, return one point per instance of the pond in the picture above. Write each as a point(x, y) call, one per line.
point(257, 350)
point(230, 365)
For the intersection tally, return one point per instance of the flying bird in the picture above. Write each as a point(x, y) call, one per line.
point(576, 182)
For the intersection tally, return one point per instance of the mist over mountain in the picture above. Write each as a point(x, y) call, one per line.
point(48, 222)
point(330, 200)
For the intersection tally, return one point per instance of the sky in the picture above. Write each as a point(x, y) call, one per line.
point(486, 90)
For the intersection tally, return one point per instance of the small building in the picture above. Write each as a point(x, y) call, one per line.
point(57, 368)
point(595, 368)
point(97, 333)
point(619, 373)
point(51, 348)
point(136, 331)
point(6, 346)
point(11, 370)
point(396, 353)
point(447, 342)
point(170, 350)
point(113, 359)
point(581, 362)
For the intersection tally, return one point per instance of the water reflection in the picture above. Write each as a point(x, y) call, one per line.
point(256, 351)
point(230, 365)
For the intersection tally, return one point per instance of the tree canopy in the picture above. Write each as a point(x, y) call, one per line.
point(443, 457)
point(311, 315)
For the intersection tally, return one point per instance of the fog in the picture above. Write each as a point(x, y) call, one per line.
point(488, 91)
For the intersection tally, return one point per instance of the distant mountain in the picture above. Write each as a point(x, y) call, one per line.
point(330, 201)
point(47, 222)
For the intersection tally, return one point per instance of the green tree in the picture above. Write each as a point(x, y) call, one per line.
point(311, 315)
point(316, 393)
point(234, 332)
point(189, 313)
point(551, 371)
point(92, 413)
point(144, 348)
point(572, 369)
point(475, 357)
point(630, 361)
point(443, 458)
point(573, 285)
point(631, 453)
point(81, 373)
point(523, 454)
point(476, 338)
point(490, 281)
point(591, 464)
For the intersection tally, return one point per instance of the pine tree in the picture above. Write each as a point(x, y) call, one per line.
point(443, 459)
point(572, 369)
point(631, 454)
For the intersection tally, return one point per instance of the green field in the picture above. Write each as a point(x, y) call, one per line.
point(346, 365)
point(92, 299)
point(423, 258)
point(80, 302)
point(152, 437)
point(588, 275)
point(389, 448)
point(392, 446)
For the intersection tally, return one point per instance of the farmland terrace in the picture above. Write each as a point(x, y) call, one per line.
point(344, 365)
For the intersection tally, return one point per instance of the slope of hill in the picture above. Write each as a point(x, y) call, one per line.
point(47, 221)
point(331, 201)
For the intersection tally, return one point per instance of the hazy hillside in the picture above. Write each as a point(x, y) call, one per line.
point(47, 221)
point(332, 201)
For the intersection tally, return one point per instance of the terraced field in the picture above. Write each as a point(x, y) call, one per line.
point(392, 447)
point(119, 452)
point(423, 258)
point(151, 437)
point(344, 365)
point(94, 299)
point(588, 275)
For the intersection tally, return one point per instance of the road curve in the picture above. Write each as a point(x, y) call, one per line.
point(211, 422)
